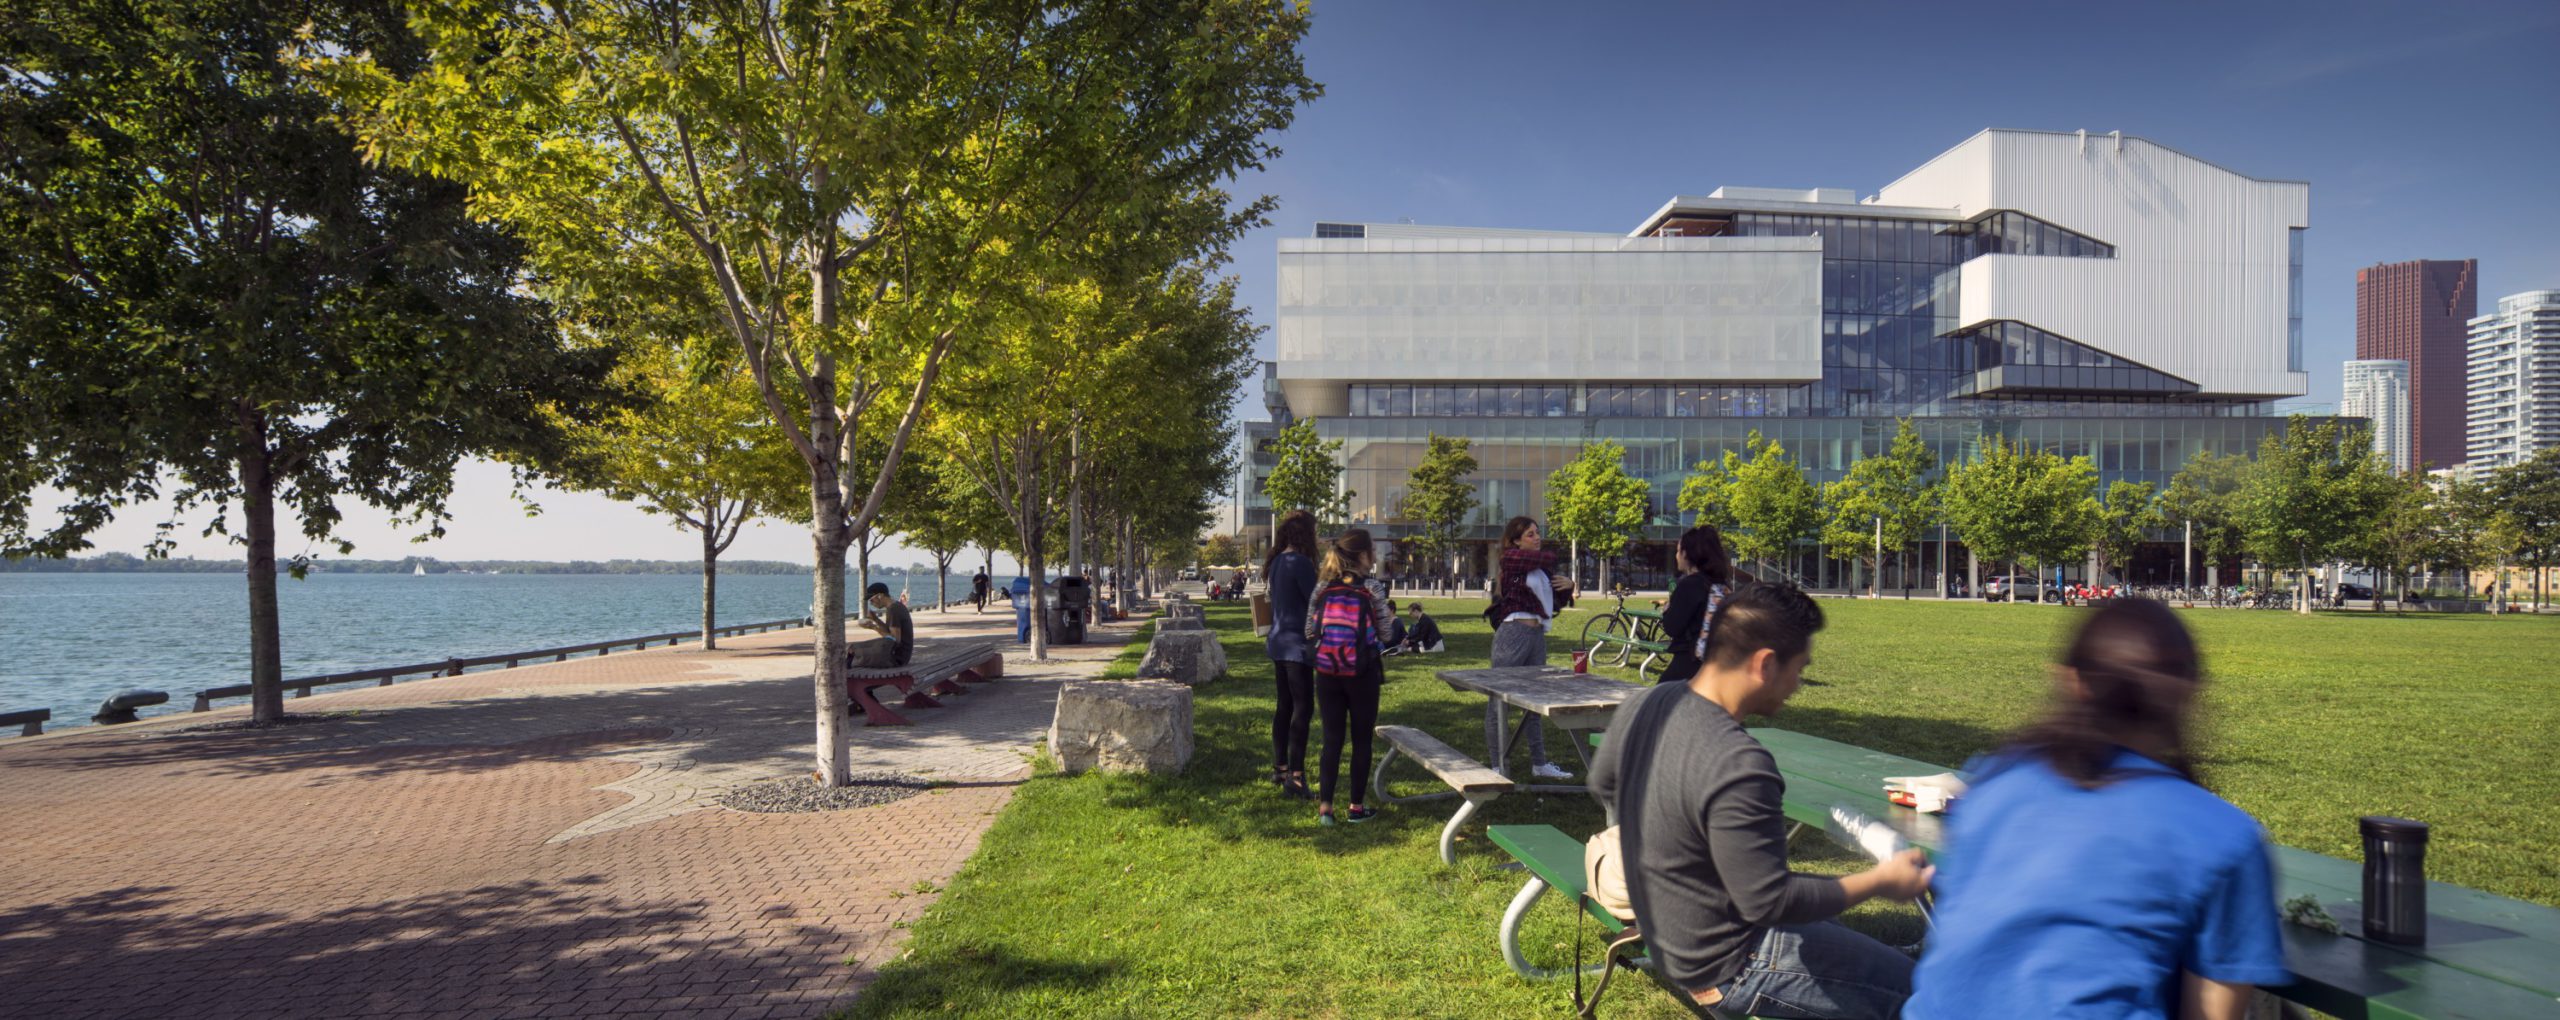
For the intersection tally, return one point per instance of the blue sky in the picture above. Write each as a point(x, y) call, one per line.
point(2426, 130)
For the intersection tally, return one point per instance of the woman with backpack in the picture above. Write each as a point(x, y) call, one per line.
point(1342, 629)
point(2086, 871)
point(1290, 571)
point(1706, 576)
point(1527, 595)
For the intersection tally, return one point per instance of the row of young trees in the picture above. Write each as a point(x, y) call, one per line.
point(2312, 495)
point(821, 261)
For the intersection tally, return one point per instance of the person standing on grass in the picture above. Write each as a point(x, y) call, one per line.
point(1290, 572)
point(1706, 577)
point(1342, 628)
point(2087, 872)
point(1705, 842)
point(1527, 594)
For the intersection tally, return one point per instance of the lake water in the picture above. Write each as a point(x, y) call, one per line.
point(67, 641)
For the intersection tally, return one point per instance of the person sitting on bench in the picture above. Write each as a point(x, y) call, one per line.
point(2087, 872)
point(1706, 845)
point(897, 641)
point(1420, 635)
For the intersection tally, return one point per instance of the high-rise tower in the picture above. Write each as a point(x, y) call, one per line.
point(2419, 312)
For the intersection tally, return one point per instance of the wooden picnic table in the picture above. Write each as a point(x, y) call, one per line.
point(2486, 956)
point(1575, 702)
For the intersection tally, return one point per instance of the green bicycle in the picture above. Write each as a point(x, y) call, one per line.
point(1612, 638)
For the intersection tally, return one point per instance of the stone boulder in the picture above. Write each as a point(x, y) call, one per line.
point(1179, 623)
point(1191, 656)
point(1122, 726)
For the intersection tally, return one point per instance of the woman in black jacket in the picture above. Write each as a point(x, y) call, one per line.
point(1706, 574)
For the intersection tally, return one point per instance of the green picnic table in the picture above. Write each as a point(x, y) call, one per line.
point(2486, 956)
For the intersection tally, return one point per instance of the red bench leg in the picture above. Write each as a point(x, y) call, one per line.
point(916, 698)
point(990, 669)
point(948, 685)
point(873, 712)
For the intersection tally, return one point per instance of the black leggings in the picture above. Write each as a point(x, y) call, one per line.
point(1295, 704)
point(1357, 698)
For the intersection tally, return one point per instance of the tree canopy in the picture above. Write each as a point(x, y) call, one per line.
point(1439, 496)
point(2013, 502)
point(1592, 501)
point(1305, 474)
point(1886, 500)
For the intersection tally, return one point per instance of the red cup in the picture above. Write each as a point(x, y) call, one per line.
point(1582, 660)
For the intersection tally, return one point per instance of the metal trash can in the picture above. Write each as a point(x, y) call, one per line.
point(1075, 606)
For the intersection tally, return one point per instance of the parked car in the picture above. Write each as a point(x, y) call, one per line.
point(2005, 588)
point(2353, 591)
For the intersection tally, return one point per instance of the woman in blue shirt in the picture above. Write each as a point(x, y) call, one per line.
point(2087, 874)
point(1290, 574)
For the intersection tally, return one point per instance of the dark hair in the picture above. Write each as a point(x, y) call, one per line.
point(877, 588)
point(1352, 547)
point(1705, 549)
point(2139, 670)
point(1778, 617)
point(1296, 532)
point(1514, 528)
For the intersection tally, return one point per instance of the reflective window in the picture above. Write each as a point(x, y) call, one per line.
point(2293, 300)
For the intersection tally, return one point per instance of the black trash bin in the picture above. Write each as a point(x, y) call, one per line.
point(1075, 604)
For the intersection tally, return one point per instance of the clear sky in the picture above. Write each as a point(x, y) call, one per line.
point(2427, 130)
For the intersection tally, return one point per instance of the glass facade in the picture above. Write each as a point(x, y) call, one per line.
point(2293, 303)
point(1712, 400)
point(2013, 357)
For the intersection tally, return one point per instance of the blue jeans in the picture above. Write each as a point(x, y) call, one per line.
point(1818, 972)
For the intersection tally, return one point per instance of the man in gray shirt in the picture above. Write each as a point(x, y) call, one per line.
point(1706, 845)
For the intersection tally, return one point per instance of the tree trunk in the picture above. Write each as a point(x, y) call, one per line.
point(2302, 588)
point(266, 641)
point(1575, 572)
point(942, 580)
point(710, 584)
point(835, 733)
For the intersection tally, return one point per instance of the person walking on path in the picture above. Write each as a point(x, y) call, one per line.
point(1342, 626)
point(1527, 594)
point(1704, 838)
point(978, 591)
point(1290, 571)
point(2085, 864)
point(1706, 577)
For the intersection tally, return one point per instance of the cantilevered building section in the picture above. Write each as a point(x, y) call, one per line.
point(2091, 294)
point(2514, 392)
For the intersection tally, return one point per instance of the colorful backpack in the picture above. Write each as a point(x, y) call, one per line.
point(1344, 630)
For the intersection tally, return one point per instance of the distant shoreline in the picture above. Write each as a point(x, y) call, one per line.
point(125, 563)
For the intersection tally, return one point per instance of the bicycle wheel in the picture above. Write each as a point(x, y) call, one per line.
point(1603, 631)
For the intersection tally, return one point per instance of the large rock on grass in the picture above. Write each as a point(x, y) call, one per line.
point(1191, 656)
point(1179, 623)
point(1122, 726)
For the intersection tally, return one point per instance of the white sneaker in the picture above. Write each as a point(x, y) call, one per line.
point(1550, 770)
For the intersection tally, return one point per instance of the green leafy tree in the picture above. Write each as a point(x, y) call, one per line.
point(2481, 537)
point(1592, 501)
point(2014, 503)
point(2529, 492)
point(211, 296)
point(2202, 501)
point(2411, 530)
point(1884, 502)
point(1765, 503)
point(1306, 474)
point(2118, 521)
point(2311, 492)
point(1706, 494)
point(700, 452)
point(856, 188)
point(1221, 551)
point(1438, 498)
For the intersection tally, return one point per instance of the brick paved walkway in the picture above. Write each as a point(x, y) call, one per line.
point(535, 842)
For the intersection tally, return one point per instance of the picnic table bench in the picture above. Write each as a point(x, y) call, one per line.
point(940, 670)
point(1466, 777)
point(1574, 702)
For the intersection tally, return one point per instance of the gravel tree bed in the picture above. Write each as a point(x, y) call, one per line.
point(800, 793)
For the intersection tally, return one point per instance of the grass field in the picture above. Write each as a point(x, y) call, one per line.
point(1208, 894)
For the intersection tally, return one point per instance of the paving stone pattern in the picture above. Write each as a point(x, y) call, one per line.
point(536, 842)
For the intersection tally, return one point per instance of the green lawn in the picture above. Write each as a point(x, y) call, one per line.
point(1208, 894)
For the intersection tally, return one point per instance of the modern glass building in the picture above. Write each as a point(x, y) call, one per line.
point(2514, 394)
point(2377, 390)
point(2090, 294)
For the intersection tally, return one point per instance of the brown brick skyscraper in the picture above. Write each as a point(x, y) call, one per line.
point(2415, 312)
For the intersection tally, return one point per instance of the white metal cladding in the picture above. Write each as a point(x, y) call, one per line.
point(1567, 307)
point(2198, 286)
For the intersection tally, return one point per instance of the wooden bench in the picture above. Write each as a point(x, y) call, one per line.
point(2486, 956)
point(1554, 861)
point(1465, 776)
point(929, 672)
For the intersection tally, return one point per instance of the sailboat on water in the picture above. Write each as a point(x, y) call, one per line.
point(418, 571)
